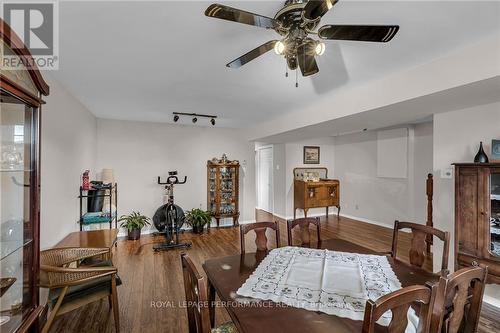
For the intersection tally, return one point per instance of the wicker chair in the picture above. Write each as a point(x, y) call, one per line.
point(72, 286)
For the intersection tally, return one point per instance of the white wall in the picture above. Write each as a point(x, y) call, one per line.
point(139, 152)
point(279, 179)
point(68, 146)
point(456, 139)
point(382, 200)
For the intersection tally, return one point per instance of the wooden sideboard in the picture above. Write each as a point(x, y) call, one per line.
point(477, 217)
point(320, 193)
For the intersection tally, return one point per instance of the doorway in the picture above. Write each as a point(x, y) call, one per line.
point(265, 179)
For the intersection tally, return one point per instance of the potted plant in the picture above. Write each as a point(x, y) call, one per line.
point(197, 219)
point(134, 222)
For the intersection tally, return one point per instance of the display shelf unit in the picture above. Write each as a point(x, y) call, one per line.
point(21, 93)
point(223, 189)
point(110, 195)
point(477, 217)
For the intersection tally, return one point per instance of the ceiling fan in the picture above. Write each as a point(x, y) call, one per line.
point(295, 22)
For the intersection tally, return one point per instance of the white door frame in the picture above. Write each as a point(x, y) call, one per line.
point(271, 178)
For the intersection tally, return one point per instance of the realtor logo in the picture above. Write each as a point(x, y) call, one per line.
point(36, 23)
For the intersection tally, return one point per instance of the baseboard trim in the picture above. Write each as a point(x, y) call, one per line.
point(362, 219)
point(491, 301)
point(352, 217)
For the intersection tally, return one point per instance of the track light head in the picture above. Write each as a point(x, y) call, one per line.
point(212, 121)
point(176, 118)
point(195, 120)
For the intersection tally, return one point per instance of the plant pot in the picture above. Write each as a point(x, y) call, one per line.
point(198, 229)
point(134, 234)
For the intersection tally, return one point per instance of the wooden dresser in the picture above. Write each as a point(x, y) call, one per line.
point(477, 217)
point(318, 193)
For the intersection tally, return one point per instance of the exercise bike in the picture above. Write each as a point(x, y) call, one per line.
point(169, 218)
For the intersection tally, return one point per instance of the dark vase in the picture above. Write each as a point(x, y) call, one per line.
point(481, 156)
point(197, 229)
point(134, 234)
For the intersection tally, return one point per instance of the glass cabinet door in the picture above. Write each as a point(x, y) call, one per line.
point(227, 190)
point(16, 225)
point(212, 188)
point(495, 213)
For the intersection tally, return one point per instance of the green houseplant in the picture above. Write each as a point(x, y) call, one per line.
point(197, 219)
point(134, 222)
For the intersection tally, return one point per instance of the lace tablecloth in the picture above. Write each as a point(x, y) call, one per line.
point(336, 283)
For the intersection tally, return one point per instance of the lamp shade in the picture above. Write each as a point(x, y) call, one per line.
point(108, 176)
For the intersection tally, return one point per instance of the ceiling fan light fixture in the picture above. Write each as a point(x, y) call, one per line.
point(320, 48)
point(279, 47)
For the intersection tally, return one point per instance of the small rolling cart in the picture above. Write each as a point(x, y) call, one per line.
point(101, 204)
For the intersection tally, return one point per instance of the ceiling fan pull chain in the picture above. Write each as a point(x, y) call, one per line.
point(286, 69)
point(296, 78)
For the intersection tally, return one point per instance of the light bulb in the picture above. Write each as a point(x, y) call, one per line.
point(279, 47)
point(320, 48)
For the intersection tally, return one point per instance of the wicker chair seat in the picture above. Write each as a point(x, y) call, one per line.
point(74, 293)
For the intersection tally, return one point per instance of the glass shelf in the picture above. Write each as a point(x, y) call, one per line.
point(8, 248)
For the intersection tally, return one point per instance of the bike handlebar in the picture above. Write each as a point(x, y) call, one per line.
point(172, 180)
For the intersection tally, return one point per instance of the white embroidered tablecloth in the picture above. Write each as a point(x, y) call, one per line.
point(336, 283)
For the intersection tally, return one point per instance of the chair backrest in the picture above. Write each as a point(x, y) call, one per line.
point(458, 305)
point(303, 223)
point(418, 247)
point(196, 297)
point(260, 229)
point(399, 302)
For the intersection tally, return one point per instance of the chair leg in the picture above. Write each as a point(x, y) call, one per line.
point(114, 301)
point(53, 313)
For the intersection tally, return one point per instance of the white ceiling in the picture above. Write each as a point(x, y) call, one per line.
point(140, 60)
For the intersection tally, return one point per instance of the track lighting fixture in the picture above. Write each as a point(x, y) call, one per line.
point(194, 117)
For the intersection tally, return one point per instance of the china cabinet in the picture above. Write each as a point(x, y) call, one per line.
point(477, 216)
point(223, 189)
point(21, 89)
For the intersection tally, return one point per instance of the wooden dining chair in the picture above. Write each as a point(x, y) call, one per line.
point(418, 247)
point(399, 302)
point(196, 291)
point(458, 305)
point(303, 223)
point(72, 286)
point(260, 229)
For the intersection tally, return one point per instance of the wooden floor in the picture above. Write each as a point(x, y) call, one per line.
point(152, 292)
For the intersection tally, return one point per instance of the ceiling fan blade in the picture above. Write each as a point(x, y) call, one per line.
point(249, 56)
point(315, 9)
point(307, 62)
point(364, 33)
point(236, 15)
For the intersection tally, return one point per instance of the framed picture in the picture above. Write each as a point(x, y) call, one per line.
point(495, 150)
point(311, 155)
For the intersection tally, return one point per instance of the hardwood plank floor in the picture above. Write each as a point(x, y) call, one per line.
point(152, 293)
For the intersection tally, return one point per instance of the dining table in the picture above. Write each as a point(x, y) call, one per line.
point(227, 274)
